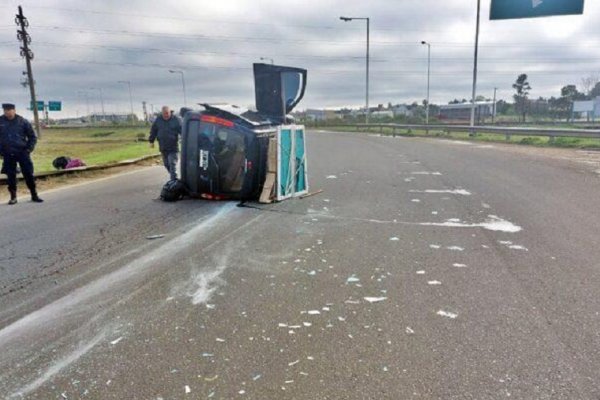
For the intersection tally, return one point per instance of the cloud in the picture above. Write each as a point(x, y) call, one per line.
point(79, 46)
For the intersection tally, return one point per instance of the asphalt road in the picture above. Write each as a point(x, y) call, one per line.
point(427, 269)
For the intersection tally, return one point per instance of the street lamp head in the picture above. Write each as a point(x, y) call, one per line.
point(424, 42)
point(345, 19)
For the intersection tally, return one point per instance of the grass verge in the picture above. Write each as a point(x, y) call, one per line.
point(95, 146)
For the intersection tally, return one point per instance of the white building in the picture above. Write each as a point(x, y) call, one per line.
point(589, 107)
point(381, 114)
point(401, 110)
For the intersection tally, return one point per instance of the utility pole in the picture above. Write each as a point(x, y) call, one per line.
point(473, 105)
point(27, 54)
point(130, 100)
point(428, 78)
point(87, 102)
point(145, 111)
point(494, 112)
point(101, 102)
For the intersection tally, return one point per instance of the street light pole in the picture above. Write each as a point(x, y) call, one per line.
point(130, 99)
point(87, 102)
point(428, 79)
point(182, 83)
point(494, 112)
point(101, 102)
point(474, 94)
point(348, 19)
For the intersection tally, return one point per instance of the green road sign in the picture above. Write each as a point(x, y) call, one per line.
point(511, 9)
point(54, 106)
point(40, 105)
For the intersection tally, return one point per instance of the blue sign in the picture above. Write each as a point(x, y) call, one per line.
point(54, 106)
point(40, 105)
point(511, 9)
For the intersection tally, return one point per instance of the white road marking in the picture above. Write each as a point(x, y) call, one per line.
point(447, 314)
point(493, 223)
point(437, 173)
point(375, 299)
point(116, 341)
point(461, 192)
point(455, 248)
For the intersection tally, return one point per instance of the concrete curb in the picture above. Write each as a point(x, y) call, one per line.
point(88, 168)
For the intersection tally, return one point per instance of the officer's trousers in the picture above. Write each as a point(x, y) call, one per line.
point(9, 167)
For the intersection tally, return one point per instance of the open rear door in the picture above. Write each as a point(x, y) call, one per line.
point(278, 90)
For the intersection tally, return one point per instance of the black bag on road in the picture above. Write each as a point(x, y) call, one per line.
point(172, 191)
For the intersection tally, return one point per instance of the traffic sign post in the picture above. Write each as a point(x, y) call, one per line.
point(513, 9)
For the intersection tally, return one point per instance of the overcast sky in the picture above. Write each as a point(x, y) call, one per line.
point(80, 45)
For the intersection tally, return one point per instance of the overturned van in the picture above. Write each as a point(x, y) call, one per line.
point(224, 150)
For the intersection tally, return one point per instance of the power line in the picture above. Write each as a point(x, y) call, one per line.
point(511, 60)
point(228, 21)
point(288, 40)
point(238, 23)
point(314, 70)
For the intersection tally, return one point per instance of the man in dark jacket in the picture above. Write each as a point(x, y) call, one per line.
point(167, 129)
point(17, 141)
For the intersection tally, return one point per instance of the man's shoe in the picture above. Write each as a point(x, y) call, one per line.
point(36, 199)
point(13, 198)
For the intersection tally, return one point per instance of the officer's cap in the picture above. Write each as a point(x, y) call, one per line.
point(8, 106)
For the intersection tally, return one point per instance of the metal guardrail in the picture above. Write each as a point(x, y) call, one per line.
point(552, 133)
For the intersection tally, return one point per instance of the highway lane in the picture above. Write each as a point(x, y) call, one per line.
point(426, 269)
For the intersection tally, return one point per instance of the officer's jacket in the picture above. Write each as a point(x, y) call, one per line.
point(16, 135)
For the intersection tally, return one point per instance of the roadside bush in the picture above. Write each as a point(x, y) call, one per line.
point(531, 140)
point(567, 142)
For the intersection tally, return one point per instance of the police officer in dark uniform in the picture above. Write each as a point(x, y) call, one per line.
point(17, 141)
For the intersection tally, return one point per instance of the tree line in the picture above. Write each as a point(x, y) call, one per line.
point(558, 107)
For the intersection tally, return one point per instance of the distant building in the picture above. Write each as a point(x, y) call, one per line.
point(462, 111)
point(381, 114)
point(589, 108)
point(109, 117)
point(70, 121)
point(321, 115)
point(401, 110)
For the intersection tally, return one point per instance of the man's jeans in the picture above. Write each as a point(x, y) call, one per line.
point(170, 161)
